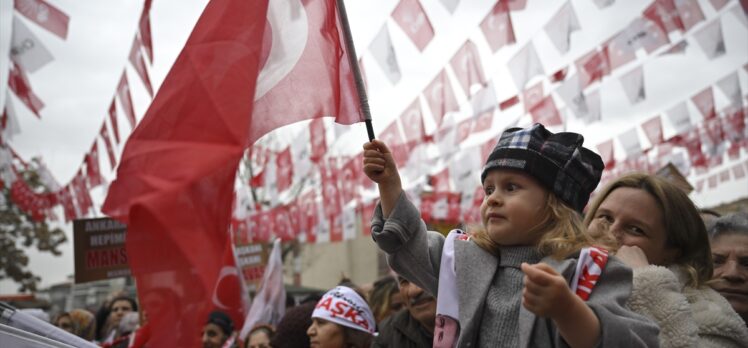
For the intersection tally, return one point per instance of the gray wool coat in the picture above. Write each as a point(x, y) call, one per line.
point(415, 253)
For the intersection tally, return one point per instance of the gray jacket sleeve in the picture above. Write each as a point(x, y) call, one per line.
point(619, 326)
point(412, 251)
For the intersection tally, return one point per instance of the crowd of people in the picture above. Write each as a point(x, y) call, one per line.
point(639, 266)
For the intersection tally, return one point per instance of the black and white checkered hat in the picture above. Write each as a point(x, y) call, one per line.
point(557, 161)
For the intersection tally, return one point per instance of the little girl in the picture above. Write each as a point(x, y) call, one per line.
point(525, 252)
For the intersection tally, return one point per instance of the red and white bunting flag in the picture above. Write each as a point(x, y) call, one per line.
point(571, 93)
point(412, 121)
point(517, 5)
point(19, 84)
point(619, 50)
point(330, 190)
point(719, 4)
point(730, 87)
point(665, 14)
point(450, 5)
point(704, 102)
point(104, 133)
point(633, 85)
point(215, 101)
point(284, 169)
point(601, 4)
point(630, 142)
point(724, 176)
point(282, 226)
point(560, 27)
point(712, 180)
point(26, 49)
point(310, 216)
point(645, 32)
point(464, 128)
point(679, 118)
point(533, 96)
point(93, 170)
point(113, 120)
point(440, 97)
point(144, 29)
point(384, 53)
point(137, 61)
point(525, 65)
point(594, 107)
point(9, 121)
point(65, 197)
point(269, 304)
point(497, 27)
point(483, 122)
point(467, 67)
point(592, 67)
point(653, 130)
point(484, 100)
point(348, 221)
point(351, 179)
point(546, 113)
point(607, 153)
point(710, 39)
point(690, 13)
point(125, 99)
point(82, 194)
point(318, 139)
point(411, 17)
point(392, 135)
point(44, 14)
point(560, 74)
point(738, 172)
point(367, 213)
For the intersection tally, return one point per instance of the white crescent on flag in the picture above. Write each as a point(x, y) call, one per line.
point(289, 30)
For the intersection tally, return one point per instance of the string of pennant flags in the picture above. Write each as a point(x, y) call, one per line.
point(308, 193)
point(27, 55)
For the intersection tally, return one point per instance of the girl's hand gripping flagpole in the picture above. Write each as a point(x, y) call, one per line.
point(360, 88)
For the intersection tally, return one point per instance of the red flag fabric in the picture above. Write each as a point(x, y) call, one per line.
point(82, 195)
point(65, 198)
point(137, 61)
point(467, 66)
point(719, 4)
point(175, 182)
point(508, 103)
point(318, 139)
point(113, 121)
point(19, 84)
point(350, 179)
point(440, 181)
point(665, 14)
point(441, 97)
point(308, 207)
point(93, 170)
point(123, 91)
point(367, 213)
point(104, 133)
point(393, 137)
point(44, 14)
point(533, 96)
point(497, 27)
point(284, 169)
point(545, 112)
point(606, 152)
point(689, 12)
point(464, 129)
point(411, 17)
point(704, 102)
point(330, 175)
point(592, 67)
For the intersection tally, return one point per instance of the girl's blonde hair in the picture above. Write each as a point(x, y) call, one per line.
point(684, 228)
point(564, 233)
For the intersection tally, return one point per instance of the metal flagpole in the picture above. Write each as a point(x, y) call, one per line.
point(360, 88)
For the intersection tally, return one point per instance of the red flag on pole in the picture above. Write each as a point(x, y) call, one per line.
point(44, 14)
point(174, 185)
point(411, 17)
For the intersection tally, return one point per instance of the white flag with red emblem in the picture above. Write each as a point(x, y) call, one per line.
point(633, 85)
point(710, 39)
point(26, 49)
point(560, 27)
point(384, 53)
point(497, 27)
point(525, 65)
point(441, 97)
point(411, 17)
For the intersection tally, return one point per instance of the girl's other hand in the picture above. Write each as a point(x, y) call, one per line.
point(546, 293)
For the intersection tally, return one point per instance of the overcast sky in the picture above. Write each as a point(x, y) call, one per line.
point(78, 85)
